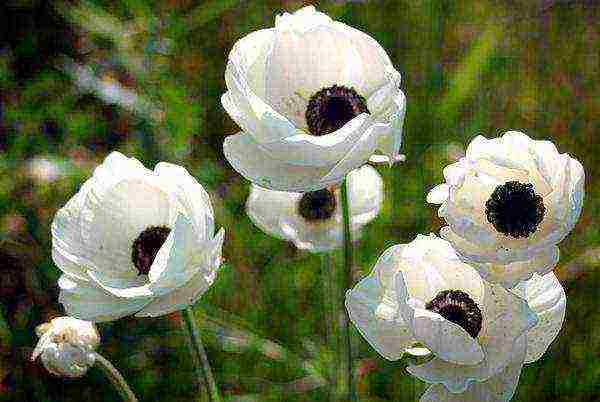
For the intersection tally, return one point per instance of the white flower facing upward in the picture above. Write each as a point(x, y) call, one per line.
point(508, 203)
point(135, 241)
point(479, 333)
point(313, 220)
point(315, 99)
point(66, 346)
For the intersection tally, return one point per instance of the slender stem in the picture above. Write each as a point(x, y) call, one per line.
point(330, 296)
point(115, 378)
point(198, 347)
point(346, 383)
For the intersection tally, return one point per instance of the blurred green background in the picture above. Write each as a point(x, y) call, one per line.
point(79, 79)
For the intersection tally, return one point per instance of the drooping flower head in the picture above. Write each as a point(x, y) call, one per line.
point(508, 203)
point(66, 346)
point(315, 99)
point(135, 241)
point(479, 333)
point(313, 220)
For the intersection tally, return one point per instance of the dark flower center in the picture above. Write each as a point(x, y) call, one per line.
point(514, 209)
point(146, 246)
point(330, 108)
point(458, 307)
point(317, 205)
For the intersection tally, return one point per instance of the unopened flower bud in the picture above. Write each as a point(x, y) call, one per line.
point(66, 346)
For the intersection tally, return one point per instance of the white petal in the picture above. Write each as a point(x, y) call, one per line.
point(376, 67)
point(388, 263)
point(390, 142)
point(192, 196)
point(388, 335)
point(190, 292)
point(245, 79)
point(70, 250)
point(116, 167)
point(378, 159)
point(251, 112)
point(113, 221)
point(365, 194)
point(501, 381)
point(420, 283)
point(315, 237)
point(360, 153)
point(318, 58)
point(546, 297)
point(249, 54)
point(123, 288)
point(418, 351)
point(365, 197)
point(509, 274)
point(454, 174)
point(85, 301)
point(512, 150)
point(67, 244)
point(42, 344)
point(577, 192)
point(445, 339)
point(438, 194)
point(452, 273)
point(310, 150)
point(498, 388)
point(252, 162)
point(475, 393)
point(506, 319)
point(171, 267)
point(302, 20)
point(266, 207)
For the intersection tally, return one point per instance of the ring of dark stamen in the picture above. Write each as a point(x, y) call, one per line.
point(317, 205)
point(330, 108)
point(458, 307)
point(146, 246)
point(514, 209)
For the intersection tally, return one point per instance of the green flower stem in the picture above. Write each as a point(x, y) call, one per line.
point(330, 309)
point(198, 347)
point(115, 378)
point(346, 380)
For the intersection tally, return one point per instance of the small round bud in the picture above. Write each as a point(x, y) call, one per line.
point(66, 346)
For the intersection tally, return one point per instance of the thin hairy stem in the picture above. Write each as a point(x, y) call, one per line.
point(115, 378)
point(204, 369)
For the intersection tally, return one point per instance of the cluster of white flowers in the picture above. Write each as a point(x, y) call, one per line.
point(479, 333)
point(317, 100)
point(131, 242)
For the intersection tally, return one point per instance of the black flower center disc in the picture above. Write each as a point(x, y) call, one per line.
point(514, 209)
point(458, 307)
point(330, 108)
point(317, 205)
point(146, 246)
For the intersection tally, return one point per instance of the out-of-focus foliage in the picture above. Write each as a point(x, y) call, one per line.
point(81, 78)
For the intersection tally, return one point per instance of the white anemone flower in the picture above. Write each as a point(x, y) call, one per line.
point(66, 346)
point(135, 241)
point(508, 203)
point(479, 334)
point(314, 98)
point(313, 220)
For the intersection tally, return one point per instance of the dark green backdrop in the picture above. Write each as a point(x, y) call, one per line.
point(468, 67)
